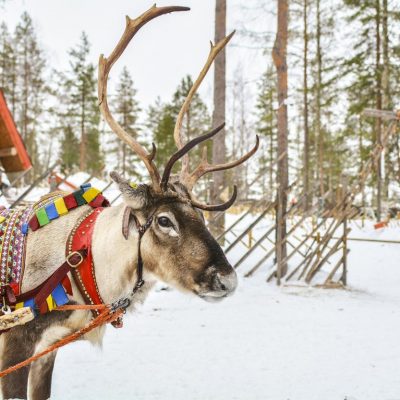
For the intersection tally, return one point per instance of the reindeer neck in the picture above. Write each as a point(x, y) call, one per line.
point(115, 258)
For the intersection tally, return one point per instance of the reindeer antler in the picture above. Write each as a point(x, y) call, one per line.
point(184, 150)
point(216, 207)
point(204, 167)
point(214, 51)
point(105, 65)
point(187, 178)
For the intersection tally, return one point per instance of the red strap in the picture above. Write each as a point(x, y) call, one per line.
point(82, 239)
point(67, 285)
point(15, 288)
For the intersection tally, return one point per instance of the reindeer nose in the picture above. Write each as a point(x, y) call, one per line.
point(226, 282)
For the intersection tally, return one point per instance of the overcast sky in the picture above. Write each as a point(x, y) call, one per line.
point(161, 54)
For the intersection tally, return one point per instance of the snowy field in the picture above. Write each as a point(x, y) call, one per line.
point(264, 343)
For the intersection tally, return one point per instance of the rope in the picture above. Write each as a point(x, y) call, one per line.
point(74, 307)
point(107, 315)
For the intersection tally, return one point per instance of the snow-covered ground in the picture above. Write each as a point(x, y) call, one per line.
point(265, 342)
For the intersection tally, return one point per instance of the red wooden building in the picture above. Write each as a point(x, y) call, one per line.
point(13, 155)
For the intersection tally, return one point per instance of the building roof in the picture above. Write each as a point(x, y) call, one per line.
point(13, 154)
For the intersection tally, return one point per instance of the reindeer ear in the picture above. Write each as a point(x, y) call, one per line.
point(135, 197)
point(127, 222)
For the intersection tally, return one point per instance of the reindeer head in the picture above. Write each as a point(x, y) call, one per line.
point(178, 248)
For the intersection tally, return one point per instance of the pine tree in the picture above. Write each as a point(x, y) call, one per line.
point(325, 73)
point(162, 118)
point(372, 62)
point(31, 88)
point(161, 122)
point(82, 113)
point(266, 127)
point(127, 113)
point(8, 73)
point(69, 155)
point(196, 120)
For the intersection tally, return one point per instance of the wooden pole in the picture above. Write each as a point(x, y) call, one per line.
point(218, 117)
point(279, 53)
point(345, 251)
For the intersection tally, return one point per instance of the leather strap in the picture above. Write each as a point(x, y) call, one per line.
point(72, 261)
point(141, 229)
point(9, 293)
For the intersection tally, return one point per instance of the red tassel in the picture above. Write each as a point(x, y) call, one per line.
point(98, 201)
point(34, 223)
point(70, 201)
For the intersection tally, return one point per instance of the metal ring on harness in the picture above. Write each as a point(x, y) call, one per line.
point(6, 309)
point(73, 254)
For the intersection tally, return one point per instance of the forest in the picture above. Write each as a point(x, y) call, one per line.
point(343, 57)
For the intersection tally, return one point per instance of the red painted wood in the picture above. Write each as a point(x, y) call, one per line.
point(10, 137)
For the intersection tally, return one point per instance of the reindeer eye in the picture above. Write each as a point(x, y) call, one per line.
point(165, 222)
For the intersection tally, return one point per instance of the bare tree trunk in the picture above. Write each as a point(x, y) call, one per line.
point(378, 124)
point(360, 147)
point(271, 145)
point(14, 86)
point(385, 91)
point(319, 132)
point(306, 179)
point(218, 117)
point(279, 53)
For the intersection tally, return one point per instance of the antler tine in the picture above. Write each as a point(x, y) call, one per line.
point(105, 65)
point(184, 150)
point(204, 167)
point(214, 51)
point(217, 207)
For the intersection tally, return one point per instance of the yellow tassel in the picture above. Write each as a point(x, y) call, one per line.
point(60, 206)
point(19, 305)
point(51, 303)
point(90, 194)
point(2, 219)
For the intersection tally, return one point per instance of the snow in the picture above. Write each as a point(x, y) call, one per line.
point(4, 202)
point(265, 342)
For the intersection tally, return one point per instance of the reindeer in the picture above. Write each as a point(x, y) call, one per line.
point(177, 248)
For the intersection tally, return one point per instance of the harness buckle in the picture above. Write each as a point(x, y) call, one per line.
point(73, 254)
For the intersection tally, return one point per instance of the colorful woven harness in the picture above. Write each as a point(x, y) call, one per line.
point(15, 225)
point(12, 250)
